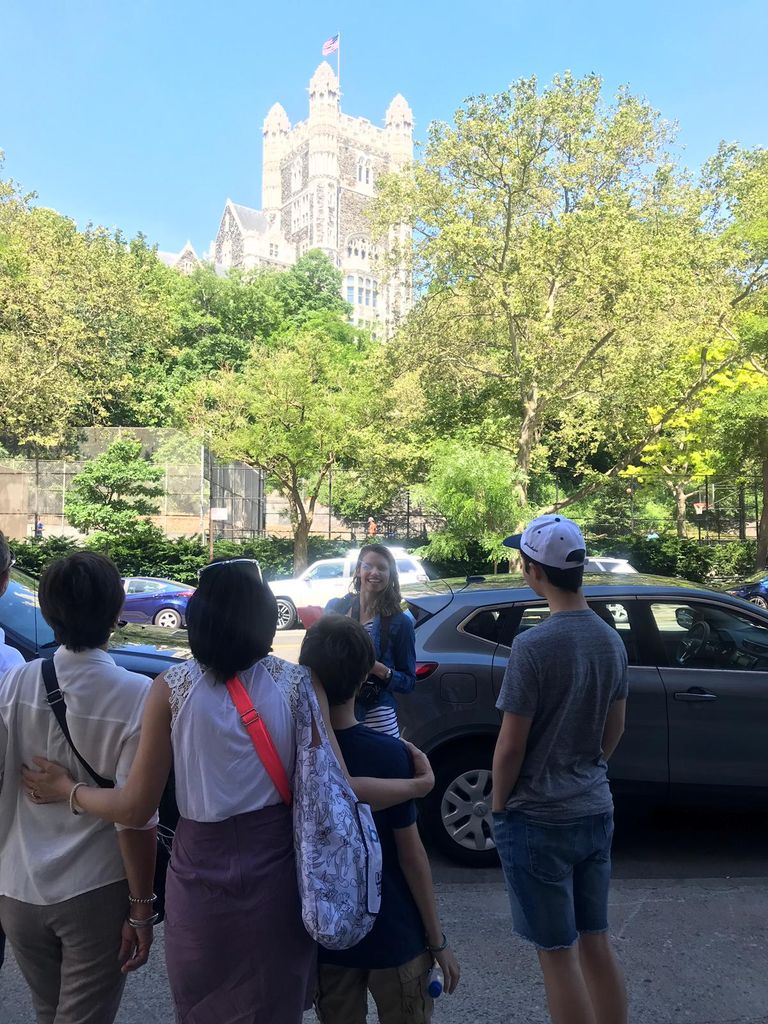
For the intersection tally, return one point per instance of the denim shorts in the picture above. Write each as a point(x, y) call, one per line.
point(557, 874)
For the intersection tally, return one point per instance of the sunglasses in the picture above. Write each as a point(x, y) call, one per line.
point(231, 561)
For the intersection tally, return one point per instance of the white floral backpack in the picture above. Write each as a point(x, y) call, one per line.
point(338, 854)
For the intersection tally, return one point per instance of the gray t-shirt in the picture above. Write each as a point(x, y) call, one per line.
point(564, 674)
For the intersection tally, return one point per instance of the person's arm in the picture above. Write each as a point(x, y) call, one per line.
point(418, 874)
point(379, 793)
point(138, 848)
point(403, 647)
point(614, 727)
point(134, 803)
point(508, 756)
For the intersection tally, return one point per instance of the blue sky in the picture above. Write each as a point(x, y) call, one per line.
point(147, 115)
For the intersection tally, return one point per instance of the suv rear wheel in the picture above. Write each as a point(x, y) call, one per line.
point(286, 614)
point(457, 813)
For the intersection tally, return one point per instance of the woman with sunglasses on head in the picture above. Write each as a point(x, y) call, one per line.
point(236, 948)
point(375, 602)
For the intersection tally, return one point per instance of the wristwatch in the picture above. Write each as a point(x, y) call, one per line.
point(388, 676)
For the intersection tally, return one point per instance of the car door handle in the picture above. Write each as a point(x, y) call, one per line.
point(695, 693)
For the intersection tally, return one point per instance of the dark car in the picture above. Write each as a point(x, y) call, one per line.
point(138, 648)
point(753, 589)
point(697, 711)
point(149, 600)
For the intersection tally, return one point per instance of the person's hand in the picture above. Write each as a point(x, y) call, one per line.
point(423, 776)
point(49, 784)
point(450, 967)
point(379, 670)
point(135, 946)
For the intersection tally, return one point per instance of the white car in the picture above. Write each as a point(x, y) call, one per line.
point(331, 577)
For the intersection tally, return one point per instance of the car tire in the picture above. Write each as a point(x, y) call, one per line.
point(760, 602)
point(167, 618)
point(286, 614)
point(456, 815)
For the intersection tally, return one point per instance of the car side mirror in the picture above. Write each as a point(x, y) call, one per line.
point(684, 617)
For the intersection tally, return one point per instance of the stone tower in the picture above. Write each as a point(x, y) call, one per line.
point(319, 178)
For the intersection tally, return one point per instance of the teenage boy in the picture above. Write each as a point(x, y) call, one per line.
point(563, 698)
point(392, 962)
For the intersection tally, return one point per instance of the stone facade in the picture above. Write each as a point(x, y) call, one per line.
point(319, 178)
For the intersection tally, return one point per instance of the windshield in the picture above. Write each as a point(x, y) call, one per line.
point(20, 614)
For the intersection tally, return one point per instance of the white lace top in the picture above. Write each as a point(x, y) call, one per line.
point(218, 772)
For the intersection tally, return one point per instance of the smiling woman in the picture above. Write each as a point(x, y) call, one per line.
point(375, 602)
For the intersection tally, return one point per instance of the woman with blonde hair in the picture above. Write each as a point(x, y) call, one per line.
point(375, 602)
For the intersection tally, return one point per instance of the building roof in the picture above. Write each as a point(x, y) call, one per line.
point(250, 219)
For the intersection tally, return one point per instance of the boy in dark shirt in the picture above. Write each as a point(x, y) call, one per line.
point(394, 959)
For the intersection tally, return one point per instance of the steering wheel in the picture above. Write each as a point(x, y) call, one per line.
point(692, 645)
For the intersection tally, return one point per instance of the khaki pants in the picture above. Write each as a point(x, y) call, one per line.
point(400, 993)
point(68, 954)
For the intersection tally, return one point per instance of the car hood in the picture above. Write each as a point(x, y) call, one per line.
point(151, 640)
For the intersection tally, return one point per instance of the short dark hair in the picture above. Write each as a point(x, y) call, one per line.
point(231, 618)
point(563, 579)
point(6, 555)
point(340, 652)
point(80, 597)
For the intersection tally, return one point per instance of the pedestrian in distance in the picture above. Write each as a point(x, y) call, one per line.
point(75, 894)
point(372, 528)
point(393, 961)
point(563, 700)
point(375, 602)
point(236, 946)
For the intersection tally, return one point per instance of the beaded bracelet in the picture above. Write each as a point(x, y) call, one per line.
point(143, 922)
point(135, 899)
point(440, 948)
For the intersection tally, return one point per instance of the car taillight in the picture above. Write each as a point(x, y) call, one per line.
point(425, 668)
point(186, 593)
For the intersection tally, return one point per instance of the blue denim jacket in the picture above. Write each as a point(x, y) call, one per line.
point(400, 653)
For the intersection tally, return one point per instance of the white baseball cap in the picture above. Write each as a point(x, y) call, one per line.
point(551, 540)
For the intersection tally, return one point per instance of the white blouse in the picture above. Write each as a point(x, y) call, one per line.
point(218, 772)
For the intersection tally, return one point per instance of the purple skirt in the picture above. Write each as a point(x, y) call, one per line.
point(236, 949)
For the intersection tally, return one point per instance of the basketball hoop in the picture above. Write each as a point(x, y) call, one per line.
point(699, 507)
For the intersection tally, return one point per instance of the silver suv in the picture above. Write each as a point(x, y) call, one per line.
point(696, 713)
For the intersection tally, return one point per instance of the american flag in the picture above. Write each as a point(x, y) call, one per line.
point(331, 45)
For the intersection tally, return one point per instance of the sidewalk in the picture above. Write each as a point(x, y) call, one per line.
point(694, 952)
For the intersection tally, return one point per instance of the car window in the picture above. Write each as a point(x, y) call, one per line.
point(616, 615)
point(406, 565)
point(501, 625)
point(699, 635)
point(329, 571)
point(19, 613)
point(146, 586)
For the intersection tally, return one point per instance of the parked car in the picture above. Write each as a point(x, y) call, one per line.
point(331, 577)
point(753, 589)
point(138, 648)
point(697, 707)
point(156, 601)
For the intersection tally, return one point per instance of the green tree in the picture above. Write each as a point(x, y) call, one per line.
point(299, 406)
point(472, 490)
point(114, 491)
point(566, 274)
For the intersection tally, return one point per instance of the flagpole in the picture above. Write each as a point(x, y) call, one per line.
point(338, 65)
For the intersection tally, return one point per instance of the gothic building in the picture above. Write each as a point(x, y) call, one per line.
point(318, 179)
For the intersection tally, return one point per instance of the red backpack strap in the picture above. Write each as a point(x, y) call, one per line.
point(262, 741)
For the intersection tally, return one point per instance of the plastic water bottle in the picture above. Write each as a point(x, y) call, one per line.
point(435, 981)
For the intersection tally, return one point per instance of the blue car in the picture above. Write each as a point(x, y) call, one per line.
point(137, 648)
point(157, 602)
point(753, 589)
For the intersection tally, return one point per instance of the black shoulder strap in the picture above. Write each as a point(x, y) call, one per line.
point(55, 698)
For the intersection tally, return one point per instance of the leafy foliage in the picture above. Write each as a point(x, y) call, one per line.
point(115, 490)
